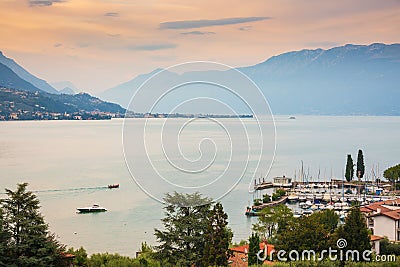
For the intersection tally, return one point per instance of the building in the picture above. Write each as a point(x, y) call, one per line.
point(282, 181)
point(375, 243)
point(383, 218)
point(240, 254)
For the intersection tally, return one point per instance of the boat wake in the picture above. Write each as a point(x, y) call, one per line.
point(78, 189)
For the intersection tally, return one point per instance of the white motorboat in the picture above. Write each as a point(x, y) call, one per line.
point(92, 209)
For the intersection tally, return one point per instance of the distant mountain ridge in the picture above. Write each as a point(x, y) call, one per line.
point(65, 87)
point(11, 80)
point(344, 80)
point(25, 75)
point(23, 100)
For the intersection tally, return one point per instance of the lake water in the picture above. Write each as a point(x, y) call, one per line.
point(69, 164)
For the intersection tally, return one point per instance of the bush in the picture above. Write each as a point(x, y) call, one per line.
point(257, 202)
point(388, 248)
point(266, 198)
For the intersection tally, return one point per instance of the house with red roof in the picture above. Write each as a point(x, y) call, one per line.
point(239, 256)
point(383, 218)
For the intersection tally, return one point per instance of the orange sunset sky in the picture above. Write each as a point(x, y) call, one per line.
point(97, 44)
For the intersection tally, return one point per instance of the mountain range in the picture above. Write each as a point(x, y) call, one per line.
point(25, 75)
point(20, 91)
point(344, 80)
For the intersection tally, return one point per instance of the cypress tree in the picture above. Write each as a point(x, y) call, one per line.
point(218, 237)
point(360, 164)
point(254, 248)
point(349, 168)
point(355, 231)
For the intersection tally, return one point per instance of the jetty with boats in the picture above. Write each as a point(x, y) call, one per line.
point(306, 196)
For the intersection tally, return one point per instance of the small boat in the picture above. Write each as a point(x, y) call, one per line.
point(318, 196)
point(326, 197)
point(293, 197)
point(113, 186)
point(94, 208)
point(305, 205)
point(292, 118)
point(302, 198)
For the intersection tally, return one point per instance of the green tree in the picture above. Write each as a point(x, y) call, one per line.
point(4, 239)
point(283, 216)
point(360, 164)
point(355, 232)
point(185, 223)
point(217, 238)
point(30, 244)
point(349, 174)
point(392, 173)
point(387, 248)
point(111, 260)
point(272, 220)
point(81, 257)
point(328, 219)
point(254, 247)
point(266, 223)
point(306, 233)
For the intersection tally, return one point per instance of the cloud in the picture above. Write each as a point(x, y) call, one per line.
point(152, 47)
point(82, 44)
point(57, 45)
point(114, 35)
point(44, 2)
point(191, 24)
point(245, 28)
point(197, 33)
point(111, 14)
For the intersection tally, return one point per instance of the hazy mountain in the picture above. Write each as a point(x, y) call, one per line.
point(65, 87)
point(24, 74)
point(345, 80)
point(11, 80)
point(351, 79)
point(67, 91)
point(122, 93)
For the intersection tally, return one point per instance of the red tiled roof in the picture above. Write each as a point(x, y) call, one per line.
point(365, 209)
point(245, 248)
point(394, 214)
point(239, 257)
point(241, 249)
point(377, 205)
point(375, 237)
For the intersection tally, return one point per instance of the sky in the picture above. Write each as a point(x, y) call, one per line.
point(97, 44)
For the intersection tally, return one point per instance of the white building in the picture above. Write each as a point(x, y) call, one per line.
point(383, 218)
point(282, 181)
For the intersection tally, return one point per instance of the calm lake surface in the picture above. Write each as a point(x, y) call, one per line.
point(69, 164)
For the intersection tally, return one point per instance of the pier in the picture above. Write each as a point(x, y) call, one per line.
point(255, 210)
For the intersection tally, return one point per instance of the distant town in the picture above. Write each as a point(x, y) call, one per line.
point(25, 105)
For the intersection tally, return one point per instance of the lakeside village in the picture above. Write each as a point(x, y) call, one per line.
point(25, 105)
point(357, 221)
point(8, 113)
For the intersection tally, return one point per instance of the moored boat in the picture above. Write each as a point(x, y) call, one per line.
point(293, 197)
